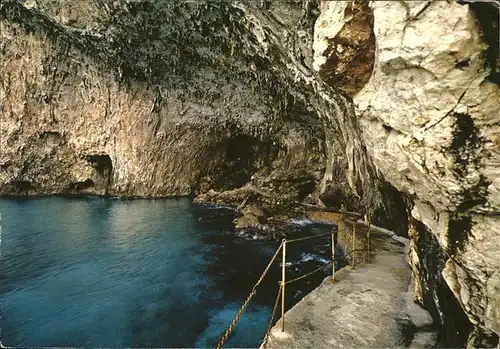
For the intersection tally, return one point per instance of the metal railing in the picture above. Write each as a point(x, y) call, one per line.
point(282, 284)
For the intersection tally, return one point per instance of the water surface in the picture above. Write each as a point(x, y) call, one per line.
point(101, 272)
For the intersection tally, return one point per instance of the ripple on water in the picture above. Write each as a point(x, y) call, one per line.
point(135, 273)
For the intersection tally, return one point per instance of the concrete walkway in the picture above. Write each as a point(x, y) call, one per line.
point(369, 307)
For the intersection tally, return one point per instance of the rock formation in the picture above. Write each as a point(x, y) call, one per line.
point(430, 119)
point(389, 107)
point(92, 107)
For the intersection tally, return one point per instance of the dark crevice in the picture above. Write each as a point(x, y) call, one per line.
point(387, 127)
point(465, 144)
point(103, 167)
point(393, 213)
point(49, 135)
point(462, 64)
point(480, 339)
point(79, 186)
point(102, 163)
point(488, 17)
point(438, 299)
point(459, 230)
point(465, 149)
point(417, 15)
point(494, 78)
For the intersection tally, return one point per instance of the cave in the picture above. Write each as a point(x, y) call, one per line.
point(306, 189)
point(76, 187)
point(22, 186)
point(242, 155)
point(102, 164)
point(336, 197)
point(393, 212)
point(438, 299)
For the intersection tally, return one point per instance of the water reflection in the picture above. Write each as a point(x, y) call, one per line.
point(133, 273)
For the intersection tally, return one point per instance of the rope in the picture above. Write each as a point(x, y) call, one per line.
point(310, 273)
point(308, 237)
point(329, 209)
point(318, 269)
point(356, 250)
point(270, 324)
point(230, 328)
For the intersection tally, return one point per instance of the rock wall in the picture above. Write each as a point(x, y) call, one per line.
point(92, 105)
point(430, 119)
point(160, 99)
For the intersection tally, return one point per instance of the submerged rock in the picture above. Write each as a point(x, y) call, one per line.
point(252, 217)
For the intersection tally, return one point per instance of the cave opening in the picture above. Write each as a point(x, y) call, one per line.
point(243, 156)
point(102, 164)
point(306, 189)
point(334, 197)
point(459, 230)
point(79, 186)
point(22, 186)
point(393, 211)
point(103, 167)
point(487, 15)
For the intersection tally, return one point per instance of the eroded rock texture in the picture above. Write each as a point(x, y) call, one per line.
point(265, 104)
point(175, 98)
point(431, 122)
point(146, 99)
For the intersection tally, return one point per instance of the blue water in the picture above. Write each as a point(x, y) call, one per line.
point(101, 272)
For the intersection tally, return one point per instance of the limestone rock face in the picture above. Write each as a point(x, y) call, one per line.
point(431, 122)
point(344, 45)
point(173, 98)
point(146, 99)
point(442, 141)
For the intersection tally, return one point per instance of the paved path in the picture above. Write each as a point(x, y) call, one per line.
point(369, 307)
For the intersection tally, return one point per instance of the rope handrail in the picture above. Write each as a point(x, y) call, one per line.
point(308, 237)
point(230, 328)
point(283, 282)
point(270, 324)
point(327, 265)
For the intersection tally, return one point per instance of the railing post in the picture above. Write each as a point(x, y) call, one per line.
point(283, 280)
point(353, 244)
point(333, 256)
